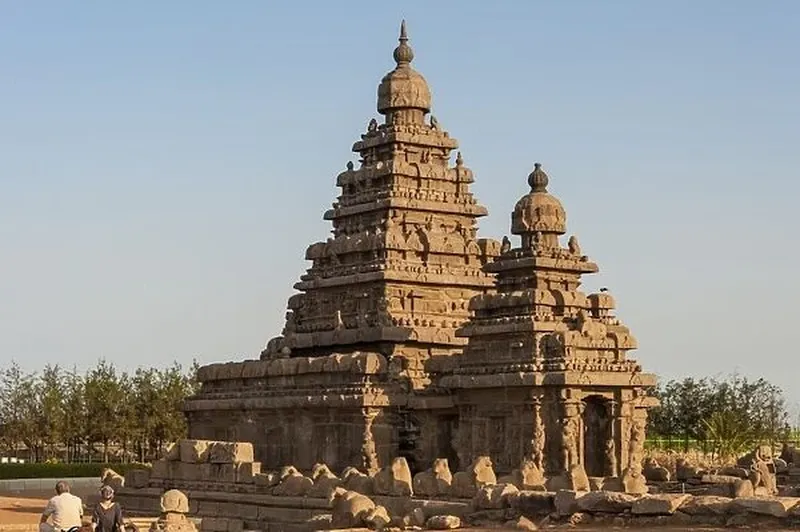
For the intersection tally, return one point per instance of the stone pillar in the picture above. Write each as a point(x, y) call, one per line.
point(537, 444)
point(612, 447)
point(369, 455)
point(570, 429)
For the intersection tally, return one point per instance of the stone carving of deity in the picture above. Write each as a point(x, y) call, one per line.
point(569, 442)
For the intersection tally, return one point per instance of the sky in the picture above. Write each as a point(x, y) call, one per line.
point(164, 165)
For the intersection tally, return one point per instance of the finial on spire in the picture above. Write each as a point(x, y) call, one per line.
point(538, 179)
point(403, 54)
point(459, 160)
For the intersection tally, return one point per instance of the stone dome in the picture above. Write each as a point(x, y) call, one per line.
point(403, 87)
point(538, 211)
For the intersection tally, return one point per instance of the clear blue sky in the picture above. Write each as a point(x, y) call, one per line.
point(163, 165)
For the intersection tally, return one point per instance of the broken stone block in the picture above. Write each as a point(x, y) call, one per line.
point(533, 503)
point(435, 481)
point(494, 497)
point(394, 479)
point(633, 482)
point(574, 479)
point(377, 518)
point(443, 522)
point(224, 452)
point(742, 488)
point(194, 451)
point(294, 485)
point(605, 502)
point(706, 505)
point(266, 480)
point(480, 473)
point(772, 506)
point(528, 476)
point(349, 509)
point(174, 501)
point(355, 480)
point(654, 472)
point(566, 501)
point(247, 471)
point(521, 523)
point(662, 504)
point(685, 470)
point(160, 469)
point(324, 482)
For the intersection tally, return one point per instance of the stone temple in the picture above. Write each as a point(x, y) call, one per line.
point(410, 336)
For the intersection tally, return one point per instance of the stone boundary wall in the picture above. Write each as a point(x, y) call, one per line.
point(22, 485)
point(228, 492)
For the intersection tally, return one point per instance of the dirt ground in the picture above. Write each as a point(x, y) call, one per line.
point(21, 510)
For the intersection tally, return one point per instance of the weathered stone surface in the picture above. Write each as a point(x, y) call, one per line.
point(521, 523)
point(443, 522)
point(494, 497)
point(633, 482)
point(194, 451)
point(435, 481)
point(224, 452)
point(173, 453)
point(706, 505)
point(137, 478)
point(529, 476)
point(355, 480)
point(293, 485)
point(734, 471)
point(325, 482)
point(662, 504)
point(685, 470)
point(377, 518)
point(719, 479)
point(574, 479)
point(654, 472)
point(266, 480)
point(566, 501)
point(533, 503)
point(772, 506)
point(174, 501)
point(350, 509)
point(605, 502)
point(742, 488)
point(394, 479)
point(480, 473)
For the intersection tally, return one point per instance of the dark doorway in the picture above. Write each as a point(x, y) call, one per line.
point(447, 429)
point(596, 434)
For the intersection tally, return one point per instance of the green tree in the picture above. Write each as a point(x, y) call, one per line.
point(105, 398)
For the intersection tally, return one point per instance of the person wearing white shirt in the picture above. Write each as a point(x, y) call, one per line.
point(65, 510)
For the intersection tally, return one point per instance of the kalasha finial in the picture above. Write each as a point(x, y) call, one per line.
point(538, 179)
point(403, 54)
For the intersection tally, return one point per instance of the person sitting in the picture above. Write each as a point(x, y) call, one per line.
point(65, 510)
point(107, 515)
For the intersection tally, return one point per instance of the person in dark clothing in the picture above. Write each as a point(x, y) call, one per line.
point(107, 515)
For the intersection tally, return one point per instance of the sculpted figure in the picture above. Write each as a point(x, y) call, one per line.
point(569, 443)
point(573, 245)
point(538, 439)
point(505, 247)
point(434, 122)
point(373, 126)
point(611, 457)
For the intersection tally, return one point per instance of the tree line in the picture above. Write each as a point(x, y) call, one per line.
point(725, 416)
point(65, 415)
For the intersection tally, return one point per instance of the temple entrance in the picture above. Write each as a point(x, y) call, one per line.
point(448, 428)
point(596, 434)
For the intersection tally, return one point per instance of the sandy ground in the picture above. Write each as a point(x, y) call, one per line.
point(21, 510)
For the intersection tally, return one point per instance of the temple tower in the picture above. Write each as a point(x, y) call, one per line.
point(404, 259)
point(390, 287)
point(571, 394)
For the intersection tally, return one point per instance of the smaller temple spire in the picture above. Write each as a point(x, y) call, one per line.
point(403, 54)
point(538, 179)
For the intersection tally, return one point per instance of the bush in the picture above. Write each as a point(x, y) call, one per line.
point(45, 470)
